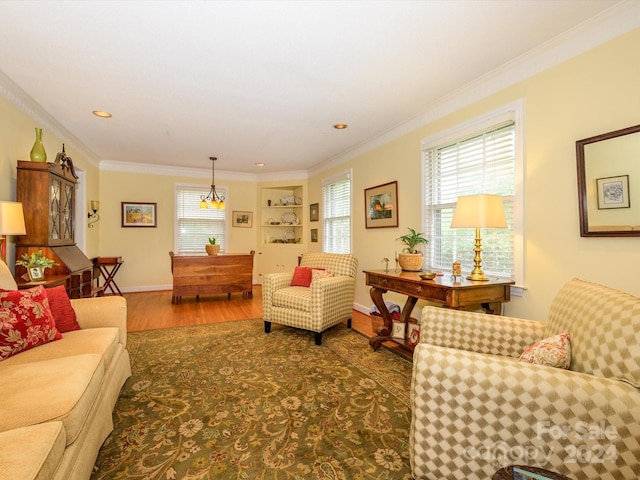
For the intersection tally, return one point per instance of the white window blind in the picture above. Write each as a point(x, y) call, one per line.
point(195, 225)
point(481, 163)
point(336, 214)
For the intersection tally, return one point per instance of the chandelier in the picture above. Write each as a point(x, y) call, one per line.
point(215, 200)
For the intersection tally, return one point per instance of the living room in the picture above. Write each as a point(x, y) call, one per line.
point(583, 85)
point(582, 96)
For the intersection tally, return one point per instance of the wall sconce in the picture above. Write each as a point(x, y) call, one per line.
point(95, 206)
point(11, 223)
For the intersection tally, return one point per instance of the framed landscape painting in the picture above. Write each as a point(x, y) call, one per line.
point(139, 214)
point(381, 205)
point(242, 219)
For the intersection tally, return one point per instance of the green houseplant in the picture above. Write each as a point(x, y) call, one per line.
point(411, 259)
point(211, 247)
point(35, 263)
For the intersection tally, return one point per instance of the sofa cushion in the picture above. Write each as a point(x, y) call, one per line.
point(7, 282)
point(603, 322)
point(63, 313)
point(103, 341)
point(46, 444)
point(298, 298)
point(25, 321)
point(62, 389)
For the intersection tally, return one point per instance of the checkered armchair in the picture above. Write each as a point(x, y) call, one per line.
point(327, 302)
point(476, 408)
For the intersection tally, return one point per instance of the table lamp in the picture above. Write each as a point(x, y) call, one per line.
point(11, 223)
point(479, 211)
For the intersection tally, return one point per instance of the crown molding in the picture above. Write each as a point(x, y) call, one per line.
point(174, 171)
point(25, 103)
point(612, 23)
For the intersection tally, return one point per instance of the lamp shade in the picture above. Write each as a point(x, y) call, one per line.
point(11, 219)
point(479, 211)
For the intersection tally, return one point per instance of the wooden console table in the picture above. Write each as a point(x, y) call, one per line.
point(212, 274)
point(490, 295)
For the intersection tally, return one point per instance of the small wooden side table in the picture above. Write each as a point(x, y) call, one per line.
point(443, 290)
point(506, 473)
point(109, 266)
point(48, 282)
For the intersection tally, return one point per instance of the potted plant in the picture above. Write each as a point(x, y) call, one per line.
point(211, 247)
point(35, 263)
point(411, 259)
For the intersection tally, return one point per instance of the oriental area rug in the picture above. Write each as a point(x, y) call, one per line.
point(227, 401)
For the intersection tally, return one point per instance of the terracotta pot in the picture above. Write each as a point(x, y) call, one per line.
point(410, 262)
point(212, 249)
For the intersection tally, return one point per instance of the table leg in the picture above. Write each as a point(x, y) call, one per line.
point(384, 332)
point(109, 282)
point(492, 308)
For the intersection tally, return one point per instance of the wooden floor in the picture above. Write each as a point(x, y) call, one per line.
point(151, 310)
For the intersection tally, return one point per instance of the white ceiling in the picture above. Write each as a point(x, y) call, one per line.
point(259, 81)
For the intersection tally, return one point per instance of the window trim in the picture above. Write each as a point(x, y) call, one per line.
point(513, 111)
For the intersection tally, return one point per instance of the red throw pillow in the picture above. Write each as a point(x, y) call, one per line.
point(25, 321)
point(302, 276)
point(63, 313)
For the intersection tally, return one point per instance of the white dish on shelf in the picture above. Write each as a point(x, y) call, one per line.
point(289, 235)
point(289, 217)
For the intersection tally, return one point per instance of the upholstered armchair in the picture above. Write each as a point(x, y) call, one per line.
point(324, 303)
point(476, 407)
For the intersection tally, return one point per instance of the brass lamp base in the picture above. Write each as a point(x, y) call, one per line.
point(477, 274)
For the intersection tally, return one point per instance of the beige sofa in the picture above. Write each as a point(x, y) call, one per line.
point(476, 408)
point(57, 399)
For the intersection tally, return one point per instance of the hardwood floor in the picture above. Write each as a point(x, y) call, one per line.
point(151, 310)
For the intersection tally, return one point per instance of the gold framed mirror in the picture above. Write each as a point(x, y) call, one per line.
point(609, 184)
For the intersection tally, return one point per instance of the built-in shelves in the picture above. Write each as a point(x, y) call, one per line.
point(281, 215)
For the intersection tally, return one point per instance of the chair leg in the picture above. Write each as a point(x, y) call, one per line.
point(349, 322)
point(318, 338)
point(267, 327)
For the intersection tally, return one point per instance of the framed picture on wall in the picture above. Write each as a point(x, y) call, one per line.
point(381, 206)
point(242, 219)
point(314, 212)
point(613, 192)
point(139, 214)
point(314, 235)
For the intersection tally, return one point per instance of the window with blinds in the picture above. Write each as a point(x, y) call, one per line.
point(336, 214)
point(481, 163)
point(195, 225)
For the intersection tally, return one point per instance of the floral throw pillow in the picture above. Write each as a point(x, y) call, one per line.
point(553, 352)
point(318, 274)
point(25, 321)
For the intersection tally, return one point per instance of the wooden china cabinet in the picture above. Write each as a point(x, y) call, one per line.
point(47, 193)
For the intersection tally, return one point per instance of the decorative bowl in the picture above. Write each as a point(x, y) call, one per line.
point(427, 275)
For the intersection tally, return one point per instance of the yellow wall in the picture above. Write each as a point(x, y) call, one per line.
point(17, 135)
point(593, 93)
point(145, 251)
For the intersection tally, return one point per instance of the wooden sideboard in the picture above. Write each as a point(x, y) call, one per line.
point(211, 274)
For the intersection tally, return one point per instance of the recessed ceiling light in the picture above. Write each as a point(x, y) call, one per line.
point(259, 164)
point(100, 113)
point(340, 126)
